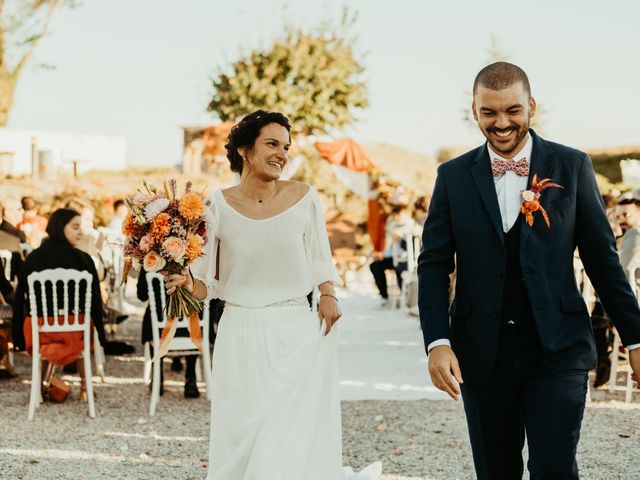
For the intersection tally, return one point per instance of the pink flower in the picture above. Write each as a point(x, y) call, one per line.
point(175, 247)
point(146, 243)
point(153, 262)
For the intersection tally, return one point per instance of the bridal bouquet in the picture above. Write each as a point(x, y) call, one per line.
point(165, 233)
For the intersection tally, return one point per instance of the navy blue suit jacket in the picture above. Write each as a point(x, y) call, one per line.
point(464, 231)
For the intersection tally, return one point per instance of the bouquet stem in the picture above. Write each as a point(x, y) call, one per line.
point(182, 303)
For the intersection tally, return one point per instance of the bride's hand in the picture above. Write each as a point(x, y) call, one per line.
point(172, 282)
point(329, 311)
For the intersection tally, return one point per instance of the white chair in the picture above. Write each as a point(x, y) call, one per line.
point(589, 295)
point(64, 321)
point(409, 293)
point(584, 284)
point(5, 259)
point(179, 346)
point(394, 293)
point(98, 353)
point(615, 366)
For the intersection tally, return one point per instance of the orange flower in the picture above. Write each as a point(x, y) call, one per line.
point(153, 262)
point(160, 227)
point(191, 206)
point(194, 247)
point(129, 225)
point(530, 199)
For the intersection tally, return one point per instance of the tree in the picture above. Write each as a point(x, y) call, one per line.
point(23, 24)
point(313, 77)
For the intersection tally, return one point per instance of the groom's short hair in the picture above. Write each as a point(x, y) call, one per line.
point(500, 75)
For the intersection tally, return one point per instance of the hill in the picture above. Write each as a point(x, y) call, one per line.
point(415, 170)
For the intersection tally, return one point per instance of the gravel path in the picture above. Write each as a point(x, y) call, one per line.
point(415, 439)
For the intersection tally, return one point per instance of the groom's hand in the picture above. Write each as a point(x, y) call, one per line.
point(634, 360)
point(445, 370)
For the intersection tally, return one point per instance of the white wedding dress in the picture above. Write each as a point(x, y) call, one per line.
point(275, 404)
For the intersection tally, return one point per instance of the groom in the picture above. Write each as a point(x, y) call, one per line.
point(518, 331)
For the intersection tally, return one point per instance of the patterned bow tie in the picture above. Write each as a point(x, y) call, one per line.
point(500, 166)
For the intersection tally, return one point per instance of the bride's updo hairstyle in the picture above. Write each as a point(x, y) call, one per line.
point(245, 133)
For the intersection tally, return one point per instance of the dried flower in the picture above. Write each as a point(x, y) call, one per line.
point(155, 207)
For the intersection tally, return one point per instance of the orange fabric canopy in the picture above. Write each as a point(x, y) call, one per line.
point(345, 153)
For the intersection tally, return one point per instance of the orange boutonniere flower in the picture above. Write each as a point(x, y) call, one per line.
point(531, 200)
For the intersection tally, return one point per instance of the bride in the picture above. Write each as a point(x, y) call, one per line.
point(275, 405)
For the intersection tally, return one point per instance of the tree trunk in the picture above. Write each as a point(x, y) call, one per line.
point(7, 86)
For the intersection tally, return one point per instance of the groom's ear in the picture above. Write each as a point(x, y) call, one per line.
point(473, 111)
point(532, 107)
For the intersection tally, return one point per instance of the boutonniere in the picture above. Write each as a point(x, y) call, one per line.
point(531, 200)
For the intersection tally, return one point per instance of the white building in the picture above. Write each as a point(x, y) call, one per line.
point(46, 154)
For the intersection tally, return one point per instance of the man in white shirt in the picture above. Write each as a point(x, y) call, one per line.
point(517, 340)
point(398, 228)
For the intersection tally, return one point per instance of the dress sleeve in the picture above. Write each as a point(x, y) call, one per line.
point(316, 243)
point(204, 267)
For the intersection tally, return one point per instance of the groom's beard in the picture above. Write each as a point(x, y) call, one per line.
point(508, 147)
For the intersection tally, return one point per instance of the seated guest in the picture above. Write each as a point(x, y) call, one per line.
point(32, 224)
point(626, 225)
point(11, 238)
point(92, 240)
point(420, 211)
point(58, 250)
point(120, 211)
point(398, 227)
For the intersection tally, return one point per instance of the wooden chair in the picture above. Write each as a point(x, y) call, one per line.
point(179, 346)
point(64, 321)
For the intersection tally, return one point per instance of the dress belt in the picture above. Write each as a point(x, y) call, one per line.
point(294, 302)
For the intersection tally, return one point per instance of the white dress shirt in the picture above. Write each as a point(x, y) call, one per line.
point(509, 188)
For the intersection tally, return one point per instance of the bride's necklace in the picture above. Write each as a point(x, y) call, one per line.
point(259, 200)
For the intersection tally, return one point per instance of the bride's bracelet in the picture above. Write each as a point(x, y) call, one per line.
point(329, 295)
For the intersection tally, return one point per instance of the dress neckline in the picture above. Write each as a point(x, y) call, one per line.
point(224, 200)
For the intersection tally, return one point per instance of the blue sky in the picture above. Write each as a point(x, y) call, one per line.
point(141, 68)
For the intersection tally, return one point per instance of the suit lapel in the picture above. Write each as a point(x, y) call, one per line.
point(483, 178)
point(542, 166)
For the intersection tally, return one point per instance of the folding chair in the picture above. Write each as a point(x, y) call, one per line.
point(179, 346)
point(63, 321)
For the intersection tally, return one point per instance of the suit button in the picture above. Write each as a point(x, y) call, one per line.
point(500, 277)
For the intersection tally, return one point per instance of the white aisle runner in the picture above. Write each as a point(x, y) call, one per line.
point(381, 351)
